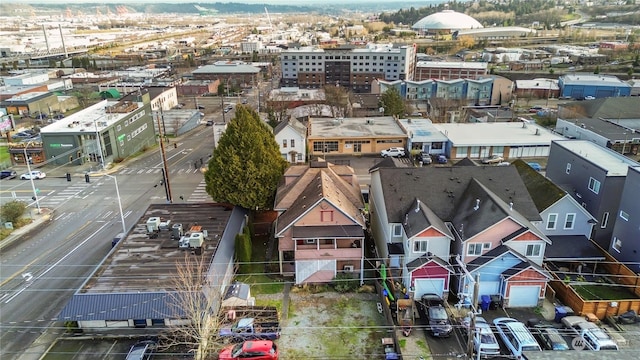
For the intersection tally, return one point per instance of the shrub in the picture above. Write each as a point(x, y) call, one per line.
point(13, 211)
point(344, 282)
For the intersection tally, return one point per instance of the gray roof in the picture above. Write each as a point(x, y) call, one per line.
point(523, 266)
point(614, 163)
point(237, 290)
point(442, 189)
point(121, 306)
point(419, 217)
point(609, 129)
point(296, 125)
point(491, 255)
point(422, 260)
point(231, 68)
point(611, 108)
point(571, 247)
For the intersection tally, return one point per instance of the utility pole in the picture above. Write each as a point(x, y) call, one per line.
point(471, 332)
point(165, 167)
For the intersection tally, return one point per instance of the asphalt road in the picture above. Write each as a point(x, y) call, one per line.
point(42, 270)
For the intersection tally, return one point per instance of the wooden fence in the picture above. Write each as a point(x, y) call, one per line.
point(619, 274)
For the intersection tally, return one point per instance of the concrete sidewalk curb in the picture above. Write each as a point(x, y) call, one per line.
point(44, 217)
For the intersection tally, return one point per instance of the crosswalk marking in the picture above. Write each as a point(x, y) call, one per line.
point(199, 194)
point(183, 171)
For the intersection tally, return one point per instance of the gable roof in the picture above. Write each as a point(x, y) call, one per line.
point(442, 187)
point(314, 186)
point(419, 217)
point(389, 162)
point(466, 162)
point(491, 255)
point(426, 258)
point(294, 124)
point(522, 266)
point(543, 191)
point(572, 247)
point(480, 209)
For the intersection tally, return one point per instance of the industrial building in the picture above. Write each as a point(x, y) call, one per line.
point(137, 286)
point(580, 85)
point(351, 68)
point(449, 70)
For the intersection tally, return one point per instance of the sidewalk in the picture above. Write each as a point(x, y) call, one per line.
point(39, 219)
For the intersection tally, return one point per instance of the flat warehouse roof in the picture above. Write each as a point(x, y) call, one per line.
point(354, 127)
point(145, 264)
point(497, 133)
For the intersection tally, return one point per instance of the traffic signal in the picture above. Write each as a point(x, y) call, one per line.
point(86, 177)
point(68, 176)
point(33, 198)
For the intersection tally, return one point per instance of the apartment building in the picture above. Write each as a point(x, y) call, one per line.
point(353, 68)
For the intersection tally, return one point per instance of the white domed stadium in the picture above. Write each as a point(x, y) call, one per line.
point(446, 20)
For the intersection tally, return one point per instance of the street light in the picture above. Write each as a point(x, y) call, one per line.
point(115, 180)
point(95, 122)
point(33, 185)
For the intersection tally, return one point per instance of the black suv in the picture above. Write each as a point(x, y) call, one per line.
point(437, 317)
point(8, 174)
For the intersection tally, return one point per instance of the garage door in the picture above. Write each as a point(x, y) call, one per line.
point(523, 296)
point(428, 286)
point(489, 288)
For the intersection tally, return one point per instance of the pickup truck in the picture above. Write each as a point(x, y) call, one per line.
point(251, 329)
point(592, 337)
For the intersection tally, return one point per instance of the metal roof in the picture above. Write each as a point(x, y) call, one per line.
point(614, 163)
point(121, 306)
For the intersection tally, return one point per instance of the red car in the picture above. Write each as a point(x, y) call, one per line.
point(253, 350)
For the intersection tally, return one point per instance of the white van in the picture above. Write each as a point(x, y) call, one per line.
point(516, 336)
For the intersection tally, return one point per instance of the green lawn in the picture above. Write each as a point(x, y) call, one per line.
point(4, 155)
point(256, 277)
point(603, 292)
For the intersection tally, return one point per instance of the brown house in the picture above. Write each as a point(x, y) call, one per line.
point(320, 224)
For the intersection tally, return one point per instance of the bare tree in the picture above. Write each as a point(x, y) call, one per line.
point(337, 98)
point(196, 310)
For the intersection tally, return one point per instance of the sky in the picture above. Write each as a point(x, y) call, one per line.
point(275, 2)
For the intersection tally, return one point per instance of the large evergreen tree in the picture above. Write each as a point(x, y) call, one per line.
point(246, 166)
point(392, 102)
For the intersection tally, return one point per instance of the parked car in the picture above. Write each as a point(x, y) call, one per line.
point(424, 158)
point(549, 337)
point(252, 350)
point(437, 317)
point(594, 337)
point(503, 163)
point(58, 116)
point(393, 152)
point(34, 174)
point(209, 123)
point(515, 336)
point(8, 174)
point(534, 109)
point(484, 343)
point(535, 166)
point(23, 135)
point(589, 97)
point(493, 159)
point(441, 159)
point(141, 350)
point(200, 107)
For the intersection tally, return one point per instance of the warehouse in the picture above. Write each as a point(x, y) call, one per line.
point(580, 85)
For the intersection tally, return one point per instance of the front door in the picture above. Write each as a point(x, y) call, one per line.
point(357, 148)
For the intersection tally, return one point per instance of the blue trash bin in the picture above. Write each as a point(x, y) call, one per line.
point(561, 312)
point(485, 302)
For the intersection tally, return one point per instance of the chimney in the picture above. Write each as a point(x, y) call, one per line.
point(417, 206)
point(477, 205)
point(511, 205)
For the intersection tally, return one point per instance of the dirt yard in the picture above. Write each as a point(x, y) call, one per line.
point(331, 325)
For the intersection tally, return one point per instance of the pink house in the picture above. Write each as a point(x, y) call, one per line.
point(320, 224)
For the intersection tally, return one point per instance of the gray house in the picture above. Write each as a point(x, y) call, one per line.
point(564, 221)
point(594, 176)
point(625, 243)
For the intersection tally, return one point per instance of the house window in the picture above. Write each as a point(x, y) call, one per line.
point(310, 241)
point(420, 246)
point(397, 230)
point(605, 220)
point(568, 169)
point(486, 246)
point(533, 250)
point(594, 185)
point(552, 219)
point(569, 220)
point(474, 249)
point(624, 215)
point(293, 143)
point(326, 215)
point(284, 143)
point(616, 244)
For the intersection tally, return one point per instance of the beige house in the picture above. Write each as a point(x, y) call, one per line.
point(320, 225)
